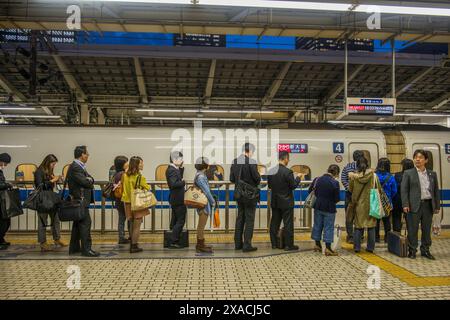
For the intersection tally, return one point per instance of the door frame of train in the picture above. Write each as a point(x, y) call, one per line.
point(439, 174)
point(350, 151)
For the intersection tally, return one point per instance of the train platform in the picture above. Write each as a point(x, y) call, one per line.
point(159, 273)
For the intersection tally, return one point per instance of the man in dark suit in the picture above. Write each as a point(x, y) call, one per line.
point(174, 177)
point(246, 169)
point(420, 199)
point(282, 183)
point(81, 186)
point(5, 159)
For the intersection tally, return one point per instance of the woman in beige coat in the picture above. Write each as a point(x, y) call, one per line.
point(360, 184)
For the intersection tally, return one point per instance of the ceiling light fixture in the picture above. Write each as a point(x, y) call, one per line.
point(17, 108)
point(301, 5)
point(38, 116)
point(201, 111)
point(197, 119)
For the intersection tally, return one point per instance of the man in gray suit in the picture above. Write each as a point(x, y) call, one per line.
point(420, 199)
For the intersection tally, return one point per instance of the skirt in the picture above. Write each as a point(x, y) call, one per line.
point(135, 214)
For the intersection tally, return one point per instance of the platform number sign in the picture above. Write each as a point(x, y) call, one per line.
point(447, 148)
point(338, 147)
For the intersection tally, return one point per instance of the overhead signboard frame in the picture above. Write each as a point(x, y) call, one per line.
point(382, 107)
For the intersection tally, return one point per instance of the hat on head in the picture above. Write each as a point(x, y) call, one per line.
point(4, 157)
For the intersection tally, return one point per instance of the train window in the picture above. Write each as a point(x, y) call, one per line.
point(262, 169)
point(25, 172)
point(65, 169)
point(429, 164)
point(303, 169)
point(160, 174)
point(368, 157)
point(215, 172)
point(112, 172)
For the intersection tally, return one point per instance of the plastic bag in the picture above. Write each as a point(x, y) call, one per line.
point(437, 224)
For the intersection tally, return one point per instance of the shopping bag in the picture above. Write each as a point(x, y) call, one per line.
point(336, 245)
point(141, 199)
point(216, 222)
point(376, 207)
point(437, 224)
point(10, 203)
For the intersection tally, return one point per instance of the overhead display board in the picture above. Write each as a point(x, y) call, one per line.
point(370, 106)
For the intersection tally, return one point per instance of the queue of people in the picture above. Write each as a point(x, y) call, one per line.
point(413, 194)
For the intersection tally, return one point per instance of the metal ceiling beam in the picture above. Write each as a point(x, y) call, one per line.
point(241, 15)
point(271, 93)
point(417, 77)
point(140, 80)
point(70, 79)
point(337, 89)
point(210, 82)
point(74, 85)
point(439, 102)
point(10, 89)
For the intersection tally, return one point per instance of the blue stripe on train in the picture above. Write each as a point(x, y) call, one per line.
point(163, 195)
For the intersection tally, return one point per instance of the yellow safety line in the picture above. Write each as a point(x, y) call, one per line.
point(399, 272)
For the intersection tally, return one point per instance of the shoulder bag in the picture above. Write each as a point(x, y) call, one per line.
point(194, 197)
point(141, 199)
point(244, 191)
point(70, 209)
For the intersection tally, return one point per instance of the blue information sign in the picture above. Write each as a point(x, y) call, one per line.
point(447, 148)
point(338, 147)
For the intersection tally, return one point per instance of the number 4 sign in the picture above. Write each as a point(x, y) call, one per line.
point(338, 147)
point(447, 148)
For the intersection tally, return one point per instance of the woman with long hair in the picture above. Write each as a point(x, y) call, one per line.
point(130, 181)
point(201, 181)
point(361, 182)
point(44, 176)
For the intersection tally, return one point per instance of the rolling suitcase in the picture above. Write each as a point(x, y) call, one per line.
point(280, 239)
point(398, 243)
point(184, 238)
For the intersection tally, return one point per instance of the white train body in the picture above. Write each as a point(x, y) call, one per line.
point(324, 147)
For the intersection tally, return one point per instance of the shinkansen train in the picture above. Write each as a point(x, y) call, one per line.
point(311, 152)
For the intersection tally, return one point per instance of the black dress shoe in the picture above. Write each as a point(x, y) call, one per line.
point(124, 241)
point(3, 247)
point(90, 253)
point(5, 243)
point(237, 248)
point(175, 246)
point(428, 255)
point(74, 252)
point(249, 249)
point(291, 248)
point(412, 255)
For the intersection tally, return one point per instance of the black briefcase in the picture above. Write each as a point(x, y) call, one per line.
point(71, 210)
point(397, 244)
point(184, 238)
point(280, 239)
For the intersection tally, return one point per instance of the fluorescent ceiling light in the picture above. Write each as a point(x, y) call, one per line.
point(423, 11)
point(202, 111)
point(423, 114)
point(29, 116)
point(364, 122)
point(17, 108)
point(300, 5)
point(197, 119)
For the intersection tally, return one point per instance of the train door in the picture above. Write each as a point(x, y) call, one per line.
point(434, 157)
point(370, 150)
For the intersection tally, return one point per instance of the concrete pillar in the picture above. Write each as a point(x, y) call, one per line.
point(84, 114)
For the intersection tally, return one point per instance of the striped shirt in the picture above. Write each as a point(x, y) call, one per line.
point(351, 167)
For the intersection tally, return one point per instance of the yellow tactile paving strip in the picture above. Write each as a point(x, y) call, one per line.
point(401, 273)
